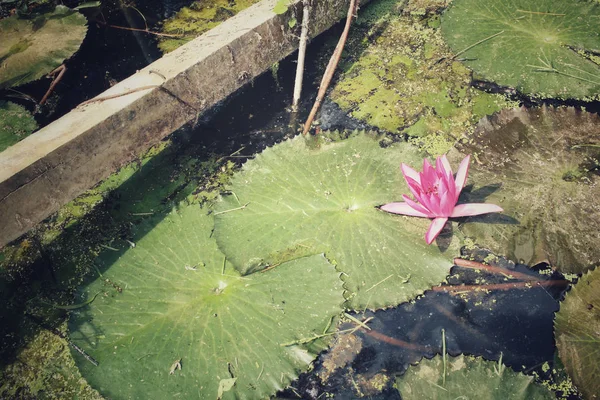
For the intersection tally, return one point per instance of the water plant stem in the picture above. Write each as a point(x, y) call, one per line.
point(498, 286)
point(396, 342)
point(306, 5)
point(60, 71)
point(125, 28)
point(461, 262)
point(333, 62)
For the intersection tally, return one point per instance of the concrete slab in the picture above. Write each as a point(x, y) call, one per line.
point(56, 164)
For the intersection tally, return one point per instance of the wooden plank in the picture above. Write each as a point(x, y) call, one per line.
point(56, 164)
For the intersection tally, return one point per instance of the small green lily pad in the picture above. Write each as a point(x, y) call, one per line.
point(16, 123)
point(544, 48)
point(298, 198)
point(467, 378)
point(540, 165)
point(31, 48)
point(173, 318)
point(577, 328)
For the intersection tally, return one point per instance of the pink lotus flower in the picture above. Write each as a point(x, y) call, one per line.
point(436, 191)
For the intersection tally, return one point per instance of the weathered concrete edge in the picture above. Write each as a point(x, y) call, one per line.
point(62, 160)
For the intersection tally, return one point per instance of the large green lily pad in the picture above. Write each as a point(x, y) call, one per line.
point(577, 328)
point(397, 82)
point(467, 378)
point(301, 199)
point(544, 47)
point(541, 166)
point(172, 318)
point(31, 48)
point(16, 123)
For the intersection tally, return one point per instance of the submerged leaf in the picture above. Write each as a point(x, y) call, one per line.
point(16, 123)
point(294, 199)
point(545, 48)
point(541, 166)
point(467, 378)
point(577, 328)
point(174, 317)
point(31, 48)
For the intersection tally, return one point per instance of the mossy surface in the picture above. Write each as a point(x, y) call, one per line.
point(16, 123)
point(45, 369)
point(404, 79)
point(199, 17)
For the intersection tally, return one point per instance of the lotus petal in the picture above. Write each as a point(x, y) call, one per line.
point(434, 229)
point(403, 209)
point(465, 210)
point(462, 174)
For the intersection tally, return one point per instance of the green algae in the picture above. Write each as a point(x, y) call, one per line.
point(16, 123)
point(45, 369)
point(199, 17)
point(404, 79)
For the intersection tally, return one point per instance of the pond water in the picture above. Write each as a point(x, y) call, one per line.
point(77, 260)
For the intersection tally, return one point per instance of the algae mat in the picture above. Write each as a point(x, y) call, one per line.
point(402, 79)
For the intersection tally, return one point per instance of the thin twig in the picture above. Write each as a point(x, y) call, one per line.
point(541, 13)
point(333, 62)
point(60, 71)
point(233, 209)
point(475, 44)
point(114, 96)
point(126, 28)
point(379, 283)
point(357, 321)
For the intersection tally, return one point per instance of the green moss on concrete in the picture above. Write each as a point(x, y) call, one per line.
point(403, 79)
point(199, 17)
